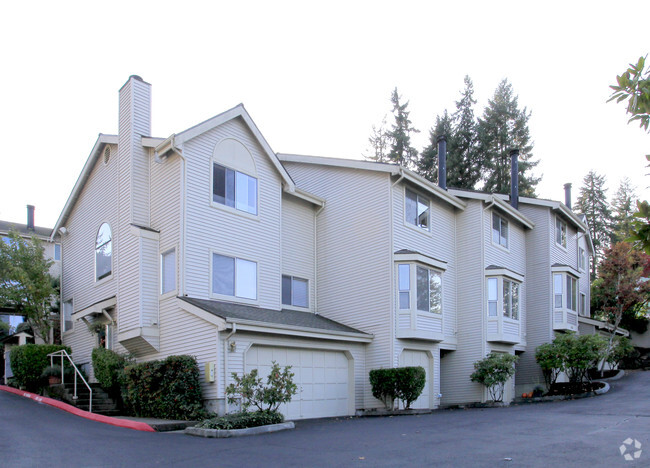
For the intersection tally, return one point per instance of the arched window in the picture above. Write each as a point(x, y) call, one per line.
point(103, 252)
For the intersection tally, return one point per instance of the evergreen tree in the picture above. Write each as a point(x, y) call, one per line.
point(378, 143)
point(623, 207)
point(504, 127)
point(463, 164)
point(401, 151)
point(592, 203)
point(427, 165)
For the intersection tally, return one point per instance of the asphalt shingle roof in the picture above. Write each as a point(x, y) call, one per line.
point(6, 226)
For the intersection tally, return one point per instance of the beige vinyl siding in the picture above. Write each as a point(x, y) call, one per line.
point(584, 283)
point(298, 253)
point(354, 255)
point(210, 228)
point(456, 366)
point(539, 328)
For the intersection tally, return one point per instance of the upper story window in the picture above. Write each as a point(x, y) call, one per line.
point(560, 232)
point(57, 252)
point(295, 291)
point(582, 259)
point(499, 230)
point(234, 189)
point(419, 287)
point(417, 210)
point(507, 301)
point(103, 252)
point(565, 291)
point(168, 271)
point(583, 309)
point(234, 176)
point(234, 277)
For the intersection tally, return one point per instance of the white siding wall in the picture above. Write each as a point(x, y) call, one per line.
point(212, 228)
point(298, 241)
point(354, 255)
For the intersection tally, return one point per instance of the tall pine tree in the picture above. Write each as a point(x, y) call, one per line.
point(378, 140)
point(427, 165)
point(463, 164)
point(592, 203)
point(623, 207)
point(504, 127)
point(399, 137)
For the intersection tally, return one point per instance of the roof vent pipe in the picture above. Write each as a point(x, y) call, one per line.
point(30, 217)
point(514, 178)
point(567, 195)
point(442, 162)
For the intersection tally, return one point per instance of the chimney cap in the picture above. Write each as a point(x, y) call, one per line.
point(514, 151)
point(441, 138)
point(567, 185)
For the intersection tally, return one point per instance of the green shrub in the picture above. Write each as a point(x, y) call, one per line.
point(167, 389)
point(398, 383)
point(279, 389)
point(108, 367)
point(493, 371)
point(579, 354)
point(621, 349)
point(242, 420)
point(29, 361)
point(551, 361)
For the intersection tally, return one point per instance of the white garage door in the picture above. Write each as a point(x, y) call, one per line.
point(321, 377)
point(418, 358)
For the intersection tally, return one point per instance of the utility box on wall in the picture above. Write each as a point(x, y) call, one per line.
point(209, 371)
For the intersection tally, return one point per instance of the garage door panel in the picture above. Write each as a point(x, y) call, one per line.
point(410, 358)
point(321, 378)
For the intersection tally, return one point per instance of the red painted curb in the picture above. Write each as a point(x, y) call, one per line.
point(135, 425)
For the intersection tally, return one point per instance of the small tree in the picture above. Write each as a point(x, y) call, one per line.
point(25, 282)
point(621, 349)
point(579, 354)
point(279, 389)
point(493, 371)
point(551, 361)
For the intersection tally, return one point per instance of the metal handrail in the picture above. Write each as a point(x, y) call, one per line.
point(63, 353)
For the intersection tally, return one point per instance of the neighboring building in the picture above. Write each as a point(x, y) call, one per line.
point(208, 243)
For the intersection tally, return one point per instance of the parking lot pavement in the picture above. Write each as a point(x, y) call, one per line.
point(578, 433)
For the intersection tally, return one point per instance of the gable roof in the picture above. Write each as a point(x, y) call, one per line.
point(392, 169)
point(40, 232)
point(95, 153)
point(289, 319)
point(496, 200)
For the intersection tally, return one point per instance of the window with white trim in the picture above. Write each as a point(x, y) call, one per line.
point(499, 230)
point(57, 252)
point(581, 259)
point(417, 210)
point(295, 291)
point(560, 232)
point(67, 316)
point(168, 271)
point(419, 287)
point(233, 188)
point(234, 277)
point(565, 291)
point(103, 252)
point(507, 301)
point(583, 304)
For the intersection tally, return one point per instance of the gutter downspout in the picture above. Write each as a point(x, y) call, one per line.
point(225, 364)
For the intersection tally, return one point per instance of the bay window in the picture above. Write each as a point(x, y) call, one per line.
point(507, 302)
point(419, 287)
point(565, 291)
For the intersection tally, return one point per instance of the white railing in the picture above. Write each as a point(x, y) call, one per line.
point(63, 354)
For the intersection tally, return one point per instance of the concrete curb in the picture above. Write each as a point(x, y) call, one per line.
point(221, 433)
point(377, 413)
point(620, 375)
point(135, 425)
point(605, 389)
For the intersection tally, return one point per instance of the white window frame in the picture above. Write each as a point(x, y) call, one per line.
point(500, 297)
point(565, 288)
point(66, 312)
point(561, 232)
point(57, 252)
point(419, 200)
point(412, 296)
point(238, 178)
point(163, 272)
point(238, 263)
point(292, 296)
point(583, 308)
point(498, 232)
point(105, 276)
point(581, 259)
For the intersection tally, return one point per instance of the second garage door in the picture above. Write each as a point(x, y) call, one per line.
point(321, 377)
point(418, 358)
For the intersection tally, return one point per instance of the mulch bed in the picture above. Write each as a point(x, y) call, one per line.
point(567, 388)
point(595, 374)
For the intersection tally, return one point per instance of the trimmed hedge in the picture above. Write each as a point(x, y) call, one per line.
point(399, 383)
point(109, 368)
point(242, 420)
point(29, 361)
point(167, 389)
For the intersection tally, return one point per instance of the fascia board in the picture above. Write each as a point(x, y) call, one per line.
point(434, 189)
point(340, 162)
point(265, 327)
point(512, 212)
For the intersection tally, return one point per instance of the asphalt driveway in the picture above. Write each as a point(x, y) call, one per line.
point(577, 433)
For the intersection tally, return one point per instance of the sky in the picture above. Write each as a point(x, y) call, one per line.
point(315, 76)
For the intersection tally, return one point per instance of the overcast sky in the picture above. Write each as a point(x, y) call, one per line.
point(315, 76)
